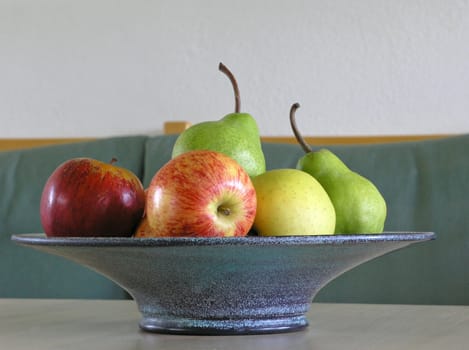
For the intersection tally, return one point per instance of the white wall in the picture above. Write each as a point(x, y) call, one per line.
point(100, 67)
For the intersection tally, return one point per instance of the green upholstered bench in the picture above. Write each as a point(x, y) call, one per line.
point(425, 183)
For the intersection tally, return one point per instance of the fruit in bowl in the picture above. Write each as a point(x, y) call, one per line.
point(235, 135)
point(291, 202)
point(359, 206)
point(199, 193)
point(87, 197)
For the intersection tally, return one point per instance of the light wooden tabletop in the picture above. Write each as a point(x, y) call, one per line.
point(113, 324)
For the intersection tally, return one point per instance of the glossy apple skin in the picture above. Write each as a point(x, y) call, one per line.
point(190, 194)
point(86, 197)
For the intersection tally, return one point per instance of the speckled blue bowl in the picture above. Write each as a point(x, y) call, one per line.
point(223, 285)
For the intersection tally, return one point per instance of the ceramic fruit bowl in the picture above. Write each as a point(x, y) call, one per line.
point(223, 285)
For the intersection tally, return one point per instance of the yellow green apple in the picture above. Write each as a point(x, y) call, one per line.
point(291, 202)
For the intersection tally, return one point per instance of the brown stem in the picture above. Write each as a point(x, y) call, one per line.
point(230, 75)
point(224, 210)
point(113, 160)
point(298, 136)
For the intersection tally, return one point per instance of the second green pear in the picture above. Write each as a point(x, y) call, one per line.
point(359, 206)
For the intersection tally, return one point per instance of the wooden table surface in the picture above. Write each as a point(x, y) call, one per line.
point(37, 324)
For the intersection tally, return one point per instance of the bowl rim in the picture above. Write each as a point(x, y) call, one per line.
point(336, 239)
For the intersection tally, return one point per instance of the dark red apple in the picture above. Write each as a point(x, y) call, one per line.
point(86, 197)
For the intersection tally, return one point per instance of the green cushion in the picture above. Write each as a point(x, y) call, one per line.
point(25, 272)
point(158, 151)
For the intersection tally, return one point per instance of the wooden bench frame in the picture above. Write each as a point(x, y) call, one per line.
point(178, 126)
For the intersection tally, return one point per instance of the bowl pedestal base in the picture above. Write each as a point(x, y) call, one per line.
point(223, 326)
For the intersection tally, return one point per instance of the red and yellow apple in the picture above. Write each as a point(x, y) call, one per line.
point(200, 193)
point(87, 197)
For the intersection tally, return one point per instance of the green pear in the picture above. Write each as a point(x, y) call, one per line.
point(292, 202)
point(359, 206)
point(236, 135)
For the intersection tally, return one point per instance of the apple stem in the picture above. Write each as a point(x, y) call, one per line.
point(224, 210)
point(230, 75)
point(113, 160)
point(295, 129)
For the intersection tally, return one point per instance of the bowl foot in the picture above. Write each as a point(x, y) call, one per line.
point(223, 326)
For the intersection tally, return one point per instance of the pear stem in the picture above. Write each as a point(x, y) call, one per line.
point(295, 129)
point(230, 75)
